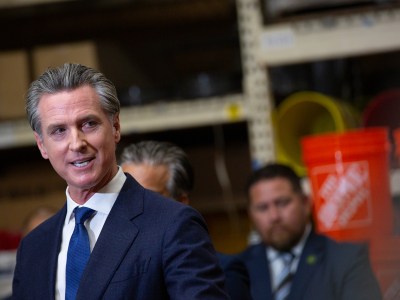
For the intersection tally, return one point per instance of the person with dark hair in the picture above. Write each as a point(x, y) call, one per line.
point(292, 261)
point(160, 166)
point(113, 239)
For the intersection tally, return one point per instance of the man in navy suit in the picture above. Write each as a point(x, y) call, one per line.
point(142, 245)
point(319, 268)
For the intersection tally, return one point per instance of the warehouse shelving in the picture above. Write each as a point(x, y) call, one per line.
point(302, 39)
point(327, 37)
point(154, 117)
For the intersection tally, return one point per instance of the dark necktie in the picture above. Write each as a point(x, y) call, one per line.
point(285, 277)
point(78, 252)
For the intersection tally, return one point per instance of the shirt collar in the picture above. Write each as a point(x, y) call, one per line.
point(103, 200)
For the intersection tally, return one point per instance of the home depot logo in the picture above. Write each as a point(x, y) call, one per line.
point(343, 199)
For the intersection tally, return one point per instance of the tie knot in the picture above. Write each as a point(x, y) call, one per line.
point(82, 214)
point(287, 257)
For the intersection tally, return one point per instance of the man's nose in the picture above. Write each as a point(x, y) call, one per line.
point(274, 213)
point(77, 140)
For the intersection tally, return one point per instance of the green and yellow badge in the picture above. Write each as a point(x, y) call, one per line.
point(311, 259)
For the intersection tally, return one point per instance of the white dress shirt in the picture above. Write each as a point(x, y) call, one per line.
point(276, 265)
point(101, 202)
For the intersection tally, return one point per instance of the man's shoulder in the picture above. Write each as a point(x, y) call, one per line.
point(161, 207)
point(339, 244)
point(133, 191)
point(339, 250)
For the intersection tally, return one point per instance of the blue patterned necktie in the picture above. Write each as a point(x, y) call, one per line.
point(285, 277)
point(78, 252)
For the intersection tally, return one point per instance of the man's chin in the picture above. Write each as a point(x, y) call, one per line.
point(282, 242)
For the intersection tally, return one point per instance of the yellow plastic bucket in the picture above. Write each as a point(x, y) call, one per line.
point(307, 113)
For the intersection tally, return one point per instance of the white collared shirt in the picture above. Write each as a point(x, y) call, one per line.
point(276, 265)
point(101, 202)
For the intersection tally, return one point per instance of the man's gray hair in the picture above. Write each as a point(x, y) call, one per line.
point(181, 179)
point(65, 78)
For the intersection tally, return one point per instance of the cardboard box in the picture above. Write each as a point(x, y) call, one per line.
point(14, 82)
point(84, 53)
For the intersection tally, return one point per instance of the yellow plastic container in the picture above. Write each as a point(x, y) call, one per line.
point(307, 113)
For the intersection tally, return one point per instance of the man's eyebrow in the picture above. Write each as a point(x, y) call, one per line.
point(86, 117)
point(282, 199)
point(54, 126)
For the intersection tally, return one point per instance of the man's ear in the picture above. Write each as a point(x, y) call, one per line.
point(308, 204)
point(116, 128)
point(184, 198)
point(40, 145)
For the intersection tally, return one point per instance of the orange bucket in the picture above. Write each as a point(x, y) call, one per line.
point(349, 176)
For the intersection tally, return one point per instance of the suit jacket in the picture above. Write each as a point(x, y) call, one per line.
point(224, 259)
point(327, 270)
point(149, 248)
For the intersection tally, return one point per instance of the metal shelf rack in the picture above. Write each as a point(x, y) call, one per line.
point(301, 40)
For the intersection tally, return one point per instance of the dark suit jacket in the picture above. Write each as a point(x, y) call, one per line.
point(327, 270)
point(224, 259)
point(149, 248)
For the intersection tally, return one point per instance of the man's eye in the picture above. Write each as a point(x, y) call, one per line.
point(89, 124)
point(58, 131)
point(283, 202)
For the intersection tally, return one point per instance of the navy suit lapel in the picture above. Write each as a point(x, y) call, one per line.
point(310, 261)
point(258, 268)
point(114, 241)
point(46, 256)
